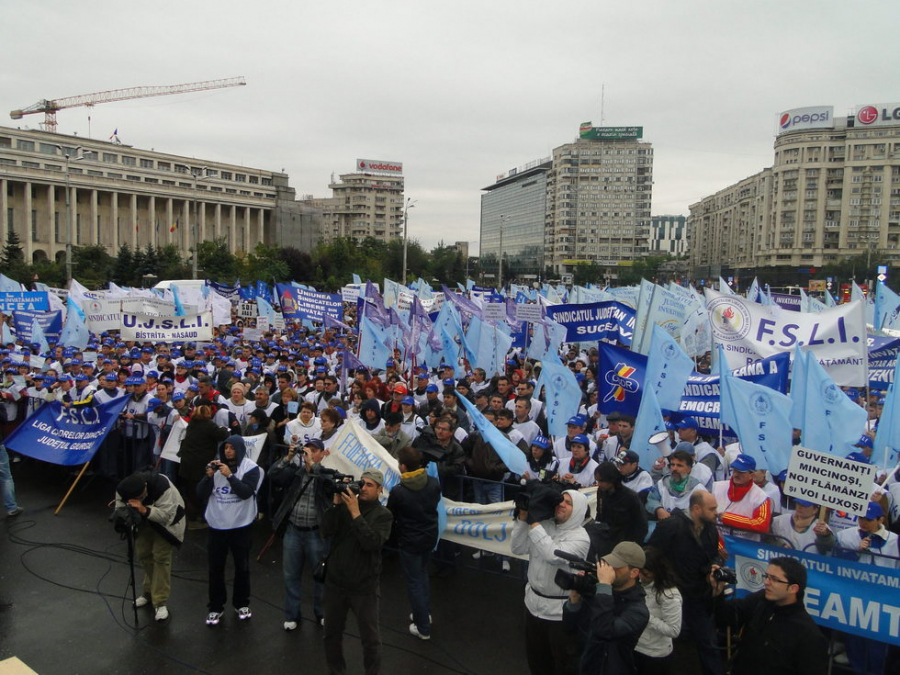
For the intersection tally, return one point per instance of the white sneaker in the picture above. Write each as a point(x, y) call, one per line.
point(505, 566)
point(162, 613)
point(243, 613)
point(476, 555)
point(415, 631)
point(290, 625)
point(141, 601)
point(213, 618)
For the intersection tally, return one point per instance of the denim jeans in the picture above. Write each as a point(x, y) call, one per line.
point(487, 493)
point(299, 548)
point(418, 588)
point(7, 487)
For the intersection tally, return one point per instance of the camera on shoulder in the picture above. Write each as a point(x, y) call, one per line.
point(539, 499)
point(332, 482)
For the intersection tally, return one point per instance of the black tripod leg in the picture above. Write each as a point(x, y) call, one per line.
point(130, 537)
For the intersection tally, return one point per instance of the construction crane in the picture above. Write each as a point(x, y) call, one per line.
point(49, 108)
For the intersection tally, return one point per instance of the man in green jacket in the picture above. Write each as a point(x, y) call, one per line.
point(358, 528)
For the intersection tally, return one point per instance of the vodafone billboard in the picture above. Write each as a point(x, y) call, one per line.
point(379, 166)
point(815, 117)
point(877, 114)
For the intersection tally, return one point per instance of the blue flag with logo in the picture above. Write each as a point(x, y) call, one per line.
point(887, 308)
point(829, 420)
point(67, 436)
point(668, 369)
point(562, 394)
point(506, 450)
point(620, 380)
point(761, 418)
point(649, 422)
point(373, 341)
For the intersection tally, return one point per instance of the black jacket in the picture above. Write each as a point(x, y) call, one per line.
point(354, 564)
point(690, 555)
point(609, 625)
point(776, 640)
point(623, 511)
point(293, 478)
point(414, 504)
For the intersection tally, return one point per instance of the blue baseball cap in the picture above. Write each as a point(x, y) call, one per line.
point(408, 400)
point(743, 463)
point(541, 441)
point(802, 502)
point(576, 421)
point(865, 441)
point(874, 511)
point(581, 439)
point(153, 404)
point(431, 387)
point(687, 423)
point(858, 457)
point(178, 396)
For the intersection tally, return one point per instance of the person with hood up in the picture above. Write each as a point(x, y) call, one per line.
point(370, 416)
point(549, 648)
point(228, 492)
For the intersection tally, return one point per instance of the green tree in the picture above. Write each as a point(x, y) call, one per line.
point(217, 262)
point(12, 260)
point(299, 264)
point(92, 265)
point(123, 267)
point(588, 274)
point(267, 263)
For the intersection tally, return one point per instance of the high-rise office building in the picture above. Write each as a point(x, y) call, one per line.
point(668, 235)
point(366, 203)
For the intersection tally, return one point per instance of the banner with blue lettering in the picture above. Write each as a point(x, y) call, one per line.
point(882, 357)
point(303, 304)
point(67, 436)
point(226, 291)
point(29, 301)
point(789, 302)
point(841, 594)
point(604, 321)
point(353, 450)
point(51, 323)
point(700, 399)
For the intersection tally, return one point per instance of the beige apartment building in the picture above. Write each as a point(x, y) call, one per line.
point(598, 204)
point(125, 195)
point(832, 193)
point(365, 203)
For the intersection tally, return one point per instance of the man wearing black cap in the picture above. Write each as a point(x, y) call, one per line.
point(300, 518)
point(161, 508)
point(618, 507)
point(612, 621)
point(358, 528)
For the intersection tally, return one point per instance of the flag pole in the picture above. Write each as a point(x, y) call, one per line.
point(74, 483)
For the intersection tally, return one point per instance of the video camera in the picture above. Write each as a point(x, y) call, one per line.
point(332, 482)
point(539, 499)
point(125, 519)
point(584, 584)
point(725, 575)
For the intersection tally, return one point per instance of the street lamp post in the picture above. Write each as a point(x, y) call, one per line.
point(78, 157)
point(198, 176)
point(409, 205)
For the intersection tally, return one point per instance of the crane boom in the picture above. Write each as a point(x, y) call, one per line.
point(49, 107)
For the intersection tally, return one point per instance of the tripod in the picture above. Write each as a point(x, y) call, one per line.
point(129, 535)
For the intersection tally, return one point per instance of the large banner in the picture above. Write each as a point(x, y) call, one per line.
point(103, 314)
point(29, 301)
point(51, 323)
point(604, 321)
point(748, 331)
point(841, 594)
point(253, 444)
point(882, 359)
point(154, 306)
point(299, 303)
point(66, 436)
point(149, 327)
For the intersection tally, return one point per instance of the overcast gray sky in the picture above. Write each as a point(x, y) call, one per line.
point(459, 92)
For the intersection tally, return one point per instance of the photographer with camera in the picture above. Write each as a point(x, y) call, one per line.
point(777, 634)
point(299, 517)
point(228, 492)
point(547, 521)
point(611, 620)
point(149, 498)
point(358, 527)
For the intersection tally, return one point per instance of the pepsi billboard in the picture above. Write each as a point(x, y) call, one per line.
point(878, 114)
point(815, 117)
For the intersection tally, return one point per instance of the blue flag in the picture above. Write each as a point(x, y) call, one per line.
point(75, 333)
point(830, 421)
point(761, 418)
point(265, 309)
point(356, 279)
point(562, 395)
point(506, 450)
point(432, 470)
point(668, 369)
point(67, 436)
point(373, 349)
point(887, 308)
point(179, 308)
point(649, 422)
point(887, 437)
point(38, 337)
point(620, 380)
point(8, 337)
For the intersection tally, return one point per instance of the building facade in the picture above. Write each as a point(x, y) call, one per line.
point(832, 193)
point(123, 195)
point(365, 203)
point(668, 235)
point(513, 215)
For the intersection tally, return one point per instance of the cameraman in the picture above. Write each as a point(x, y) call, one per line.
point(358, 528)
point(299, 517)
point(549, 648)
point(159, 505)
point(611, 622)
